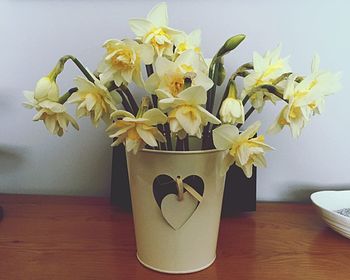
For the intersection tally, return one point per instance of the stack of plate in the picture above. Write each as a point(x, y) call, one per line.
point(327, 203)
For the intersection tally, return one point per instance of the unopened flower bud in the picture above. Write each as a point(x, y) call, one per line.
point(46, 88)
point(232, 111)
point(231, 44)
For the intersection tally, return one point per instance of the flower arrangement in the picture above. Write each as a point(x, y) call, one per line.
point(180, 92)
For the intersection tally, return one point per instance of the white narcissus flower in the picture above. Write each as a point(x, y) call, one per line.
point(45, 89)
point(244, 149)
point(45, 100)
point(318, 85)
point(170, 76)
point(184, 42)
point(154, 30)
point(55, 117)
point(136, 132)
point(294, 114)
point(186, 115)
point(122, 62)
point(93, 99)
point(305, 99)
point(266, 70)
point(232, 111)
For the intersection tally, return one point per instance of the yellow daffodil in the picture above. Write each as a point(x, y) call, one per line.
point(154, 30)
point(170, 76)
point(232, 110)
point(317, 86)
point(244, 149)
point(122, 62)
point(186, 115)
point(266, 70)
point(93, 99)
point(305, 98)
point(184, 42)
point(45, 100)
point(55, 117)
point(295, 114)
point(136, 132)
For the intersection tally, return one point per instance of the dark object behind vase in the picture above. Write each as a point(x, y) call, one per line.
point(239, 196)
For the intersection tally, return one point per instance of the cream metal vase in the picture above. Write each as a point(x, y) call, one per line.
point(176, 200)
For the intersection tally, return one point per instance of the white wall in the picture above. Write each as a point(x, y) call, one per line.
point(34, 33)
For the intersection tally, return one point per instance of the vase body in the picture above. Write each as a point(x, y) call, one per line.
point(239, 195)
point(192, 246)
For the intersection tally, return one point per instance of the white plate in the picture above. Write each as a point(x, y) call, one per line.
point(327, 202)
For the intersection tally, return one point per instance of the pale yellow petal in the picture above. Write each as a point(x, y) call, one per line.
point(159, 15)
point(146, 54)
point(122, 113)
point(207, 117)
point(195, 95)
point(152, 83)
point(140, 26)
point(189, 119)
point(146, 136)
point(251, 130)
point(224, 135)
point(155, 116)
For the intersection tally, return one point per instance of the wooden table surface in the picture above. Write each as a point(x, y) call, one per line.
point(47, 237)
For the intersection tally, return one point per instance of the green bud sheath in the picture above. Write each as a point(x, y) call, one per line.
point(221, 73)
point(230, 44)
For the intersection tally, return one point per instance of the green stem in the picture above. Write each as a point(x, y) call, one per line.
point(131, 99)
point(186, 143)
point(225, 95)
point(247, 115)
point(213, 74)
point(168, 137)
point(242, 71)
point(281, 78)
point(213, 89)
point(163, 146)
point(164, 129)
point(60, 66)
point(179, 144)
point(245, 100)
point(150, 71)
point(274, 91)
point(270, 89)
point(145, 103)
point(125, 102)
point(82, 69)
point(64, 97)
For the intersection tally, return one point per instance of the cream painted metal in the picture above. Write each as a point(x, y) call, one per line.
point(192, 247)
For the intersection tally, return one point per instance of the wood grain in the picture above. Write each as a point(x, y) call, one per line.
point(47, 237)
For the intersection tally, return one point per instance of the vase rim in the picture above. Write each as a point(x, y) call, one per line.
point(182, 152)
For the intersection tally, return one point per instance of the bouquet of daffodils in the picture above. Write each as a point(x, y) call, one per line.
point(180, 89)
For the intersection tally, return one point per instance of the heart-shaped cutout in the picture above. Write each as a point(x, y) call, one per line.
point(164, 185)
point(177, 212)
